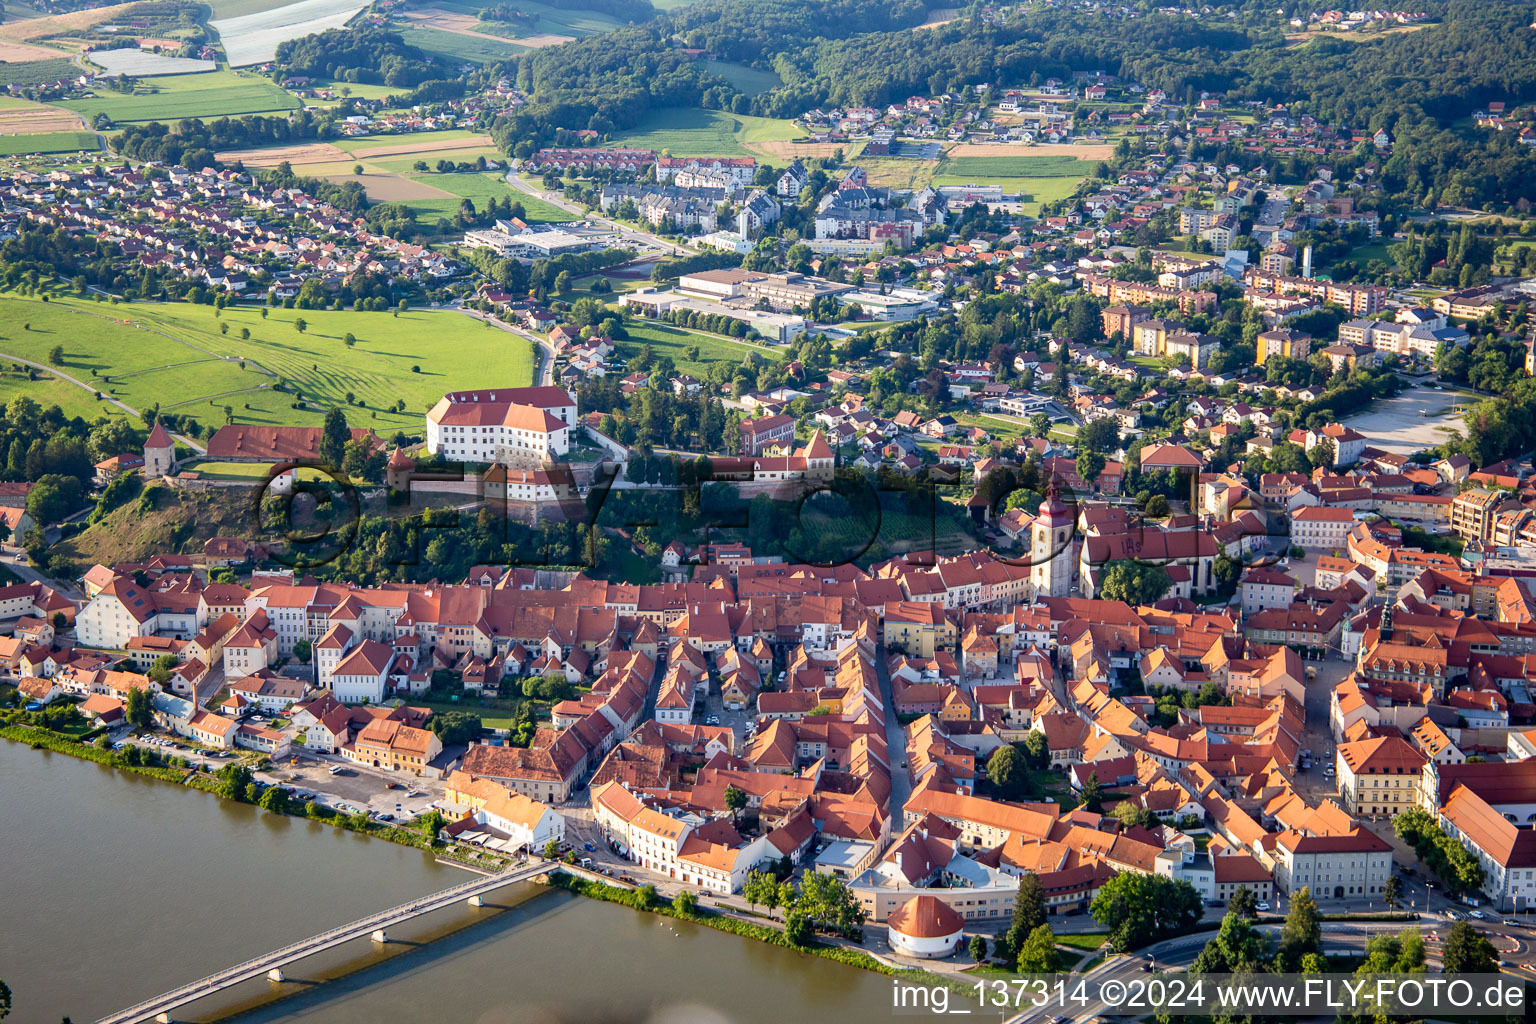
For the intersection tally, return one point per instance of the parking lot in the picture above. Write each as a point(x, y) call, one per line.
point(1396, 424)
point(355, 788)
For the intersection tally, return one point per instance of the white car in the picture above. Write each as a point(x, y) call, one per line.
point(1263, 905)
point(1477, 915)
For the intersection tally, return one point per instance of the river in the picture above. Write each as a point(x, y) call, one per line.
point(116, 887)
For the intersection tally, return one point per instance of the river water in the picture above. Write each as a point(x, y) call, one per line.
point(114, 887)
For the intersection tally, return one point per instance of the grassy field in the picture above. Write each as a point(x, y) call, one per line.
point(666, 340)
point(690, 131)
point(172, 97)
point(479, 189)
point(48, 142)
point(456, 46)
point(746, 79)
point(220, 9)
point(252, 471)
point(1018, 166)
point(195, 370)
point(47, 391)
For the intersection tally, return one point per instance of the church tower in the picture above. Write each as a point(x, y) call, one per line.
point(159, 453)
point(1050, 547)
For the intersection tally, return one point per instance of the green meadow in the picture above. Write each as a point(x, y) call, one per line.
point(174, 354)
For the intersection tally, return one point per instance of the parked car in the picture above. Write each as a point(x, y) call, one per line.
point(1263, 905)
point(1477, 915)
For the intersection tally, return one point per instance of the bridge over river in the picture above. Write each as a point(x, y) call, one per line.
point(271, 964)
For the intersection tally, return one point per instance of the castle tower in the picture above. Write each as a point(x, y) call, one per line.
point(397, 473)
point(159, 453)
point(1050, 547)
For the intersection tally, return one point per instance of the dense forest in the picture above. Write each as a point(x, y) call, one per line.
point(367, 53)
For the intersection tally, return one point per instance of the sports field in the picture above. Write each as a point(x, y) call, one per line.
point(174, 354)
point(691, 131)
point(170, 98)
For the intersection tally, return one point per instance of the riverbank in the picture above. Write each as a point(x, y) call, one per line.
point(644, 899)
point(44, 739)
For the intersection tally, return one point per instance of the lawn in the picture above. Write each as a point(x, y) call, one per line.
point(490, 718)
point(479, 188)
point(456, 46)
point(172, 97)
point(666, 340)
point(195, 370)
point(48, 142)
point(1001, 429)
point(690, 131)
point(1089, 941)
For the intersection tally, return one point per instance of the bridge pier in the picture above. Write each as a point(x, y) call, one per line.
point(476, 901)
point(379, 935)
point(276, 974)
point(162, 1018)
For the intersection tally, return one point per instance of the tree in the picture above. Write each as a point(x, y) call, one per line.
point(797, 929)
point(302, 650)
point(334, 435)
point(1089, 466)
point(1133, 815)
point(735, 800)
point(233, 780)
point(300, 324)
point(1006, 772)
point(1028, 910)
point(1037, 954)
point(1238, 947)
point(1244, 903)
point(1302, 933)
point(1037, 752)
point(1102, 435)
point(56, 355)
point(274, 799)
point(1466, 951)
point(1134, 583)
point(1093, 794)
point(551, 850)
point(1157, 507)
point(1138, 909)
point(978, 948)
point(138, 710)
point(456, 727)
point(1392, 892)
point(685, 902)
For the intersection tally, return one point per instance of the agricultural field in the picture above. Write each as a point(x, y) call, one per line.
point(48, 142)
point(416, 142)
point(547, 24)
point(692, 131)
point(170, 98)
point(666, 340)
point(38, 72)
point(456, 47)
point(252, 37)
point(174, 354)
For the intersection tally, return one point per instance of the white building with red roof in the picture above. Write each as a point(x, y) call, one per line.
point(502, 425)
point(925, 927)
